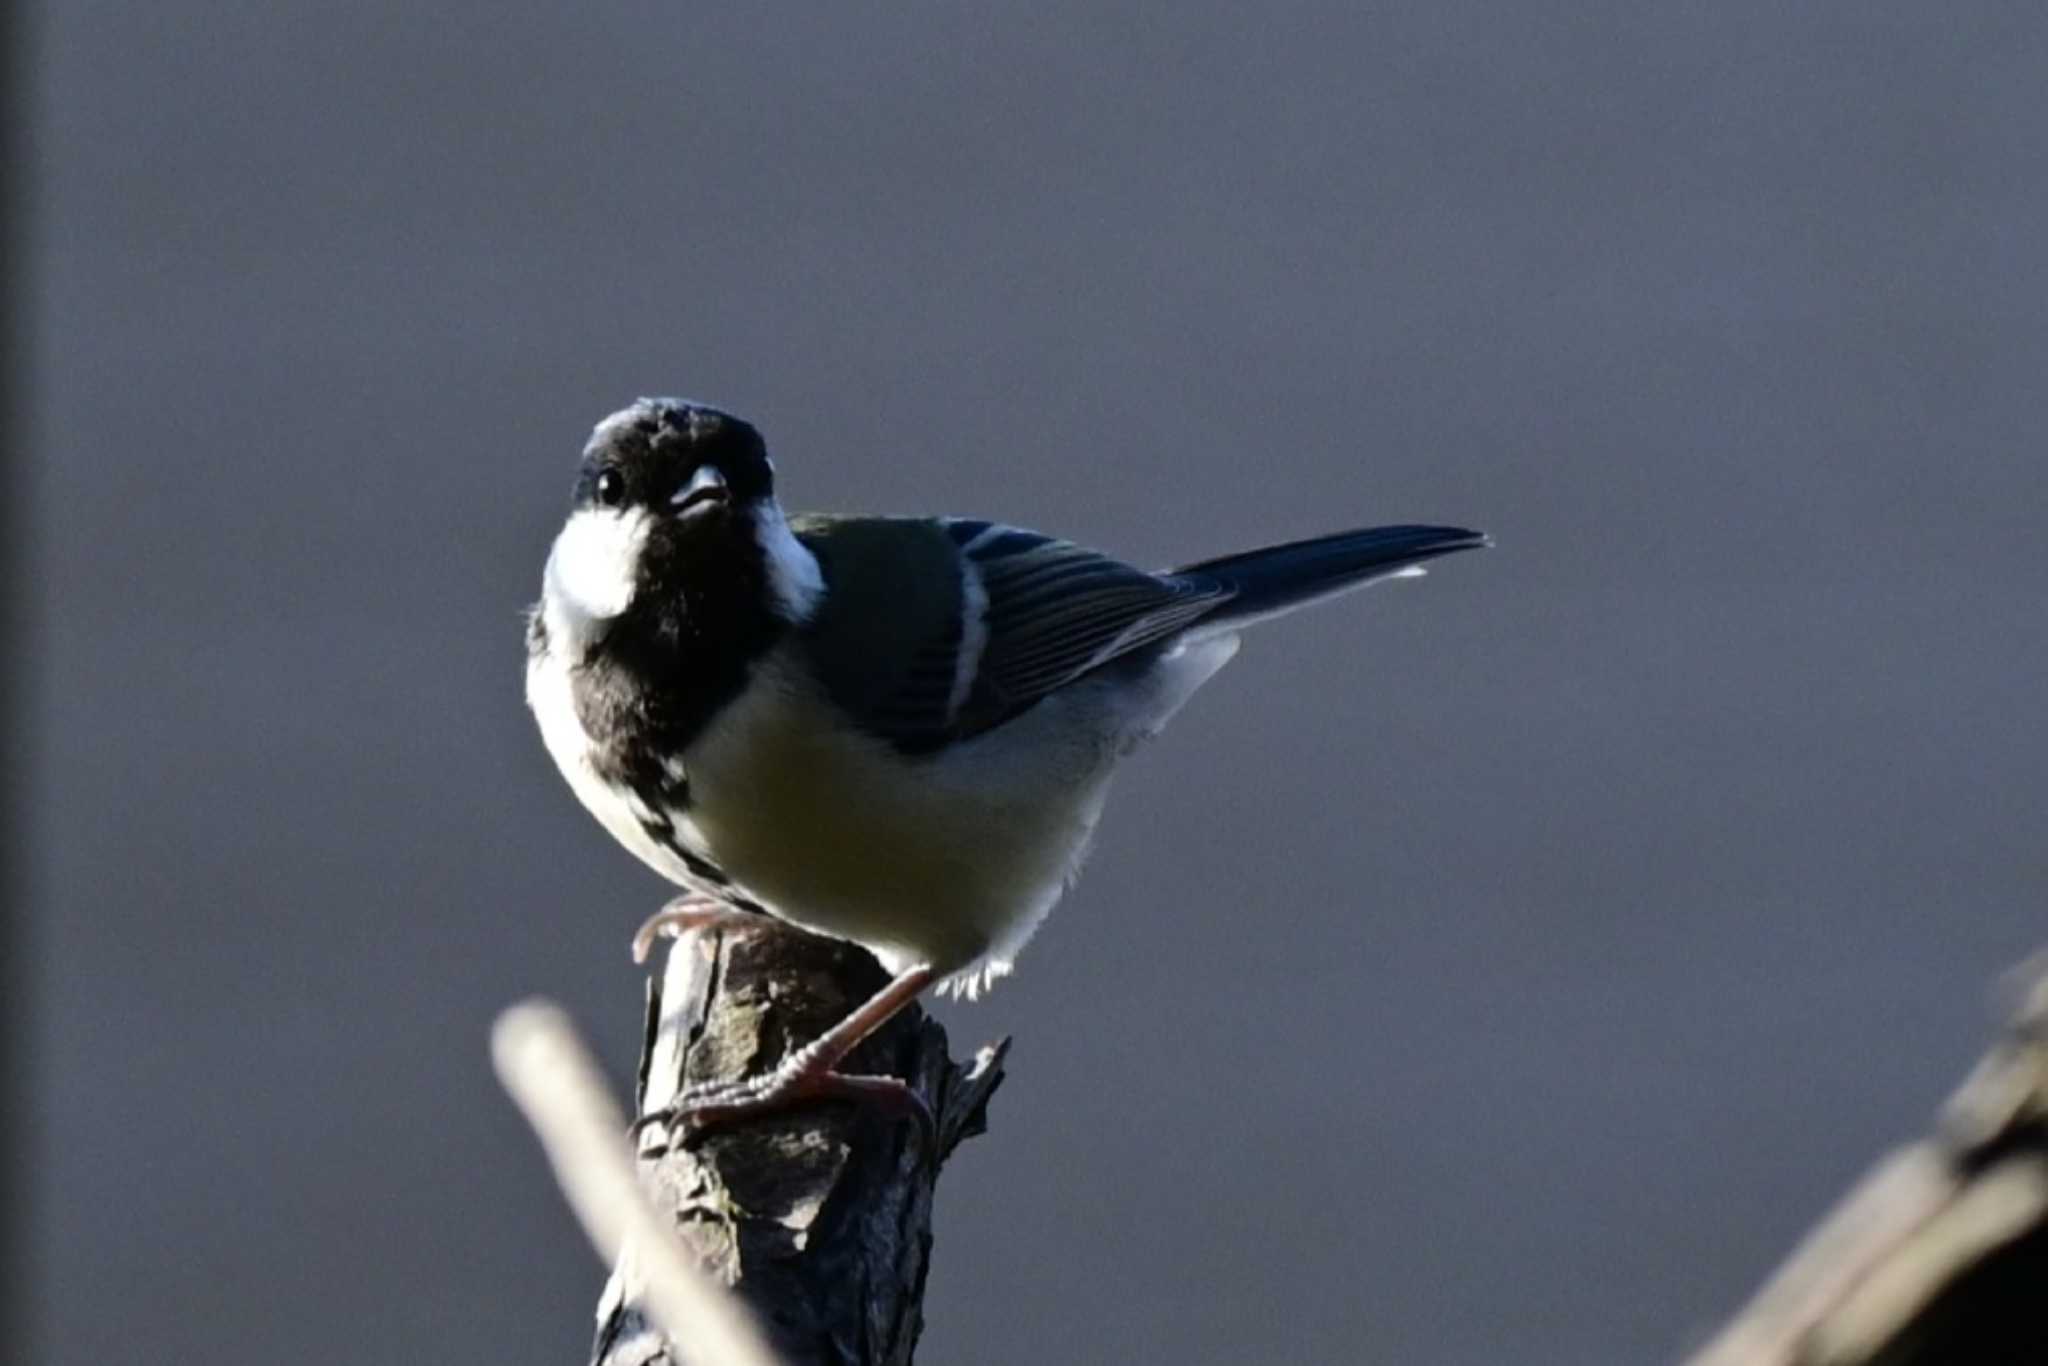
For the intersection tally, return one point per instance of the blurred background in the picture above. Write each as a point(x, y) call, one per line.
point(1511, 964)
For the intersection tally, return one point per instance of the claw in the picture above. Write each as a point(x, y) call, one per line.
point(808, 1074)
point(678, 918)
point(716, 1106)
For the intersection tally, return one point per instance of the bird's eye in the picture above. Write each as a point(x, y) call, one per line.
point(611, 488)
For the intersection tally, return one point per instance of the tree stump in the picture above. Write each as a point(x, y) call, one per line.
point(819, 1219)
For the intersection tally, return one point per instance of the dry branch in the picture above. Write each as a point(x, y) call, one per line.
point(819, 1219)
point(1940, 1255)
point(552, 1077)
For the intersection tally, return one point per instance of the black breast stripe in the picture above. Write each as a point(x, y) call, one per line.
point(661, 828)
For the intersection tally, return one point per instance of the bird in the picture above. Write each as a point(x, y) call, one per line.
point(895, 731)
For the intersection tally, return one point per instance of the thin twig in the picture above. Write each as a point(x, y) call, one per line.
point(551, 1076)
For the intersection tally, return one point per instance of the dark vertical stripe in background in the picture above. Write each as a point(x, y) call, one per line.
point(19, 664)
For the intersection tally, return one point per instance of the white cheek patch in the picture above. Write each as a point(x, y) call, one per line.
point(591, 570)
point(793, 573)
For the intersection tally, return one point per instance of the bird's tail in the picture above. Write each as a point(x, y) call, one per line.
point(1279, 578)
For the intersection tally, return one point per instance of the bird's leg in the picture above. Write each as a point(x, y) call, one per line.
point(807, 1073)
point(690, 911)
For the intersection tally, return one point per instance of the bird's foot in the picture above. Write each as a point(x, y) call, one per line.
point(793, 1084)
point(691, 911)
point(810, 1073)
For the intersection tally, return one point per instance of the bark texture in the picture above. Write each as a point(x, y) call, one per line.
point(818, 1218)
point(1940, 1256)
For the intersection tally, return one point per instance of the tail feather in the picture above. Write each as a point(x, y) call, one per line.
point(1276, 579)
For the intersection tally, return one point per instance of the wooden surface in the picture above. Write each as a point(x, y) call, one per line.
point(819, 1219)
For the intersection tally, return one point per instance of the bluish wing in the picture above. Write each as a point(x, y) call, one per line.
point(888, 642)
point(1053, 611)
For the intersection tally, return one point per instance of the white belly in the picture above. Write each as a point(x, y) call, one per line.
point(950, 859)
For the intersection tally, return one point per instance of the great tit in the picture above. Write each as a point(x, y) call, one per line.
point(897, 731)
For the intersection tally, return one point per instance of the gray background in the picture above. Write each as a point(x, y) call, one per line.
point(1508, 964)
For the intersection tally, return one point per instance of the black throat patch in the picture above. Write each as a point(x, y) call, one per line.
point(702, 617)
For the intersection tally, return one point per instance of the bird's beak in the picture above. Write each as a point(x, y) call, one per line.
point(706, 489)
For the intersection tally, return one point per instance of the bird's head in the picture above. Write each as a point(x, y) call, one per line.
point(682, 464)
point(671, 497)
